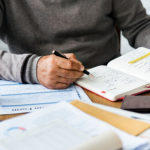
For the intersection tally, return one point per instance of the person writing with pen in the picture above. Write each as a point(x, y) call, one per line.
point(83, 31)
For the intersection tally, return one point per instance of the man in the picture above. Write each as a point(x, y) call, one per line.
point(33, 28)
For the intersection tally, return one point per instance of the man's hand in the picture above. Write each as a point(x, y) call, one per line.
point(55, 72)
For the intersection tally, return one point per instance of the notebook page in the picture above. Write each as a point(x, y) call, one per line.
point(139, 68)
point(20, 98)
point(111, 83)
point(69, 114)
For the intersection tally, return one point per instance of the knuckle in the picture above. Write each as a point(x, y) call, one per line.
point(52, 59)
point(68, 81)
point(78, 74)
point(70, 64)
point(72, 55)
point(64, 80)
point(64, 73)
point(70, 74)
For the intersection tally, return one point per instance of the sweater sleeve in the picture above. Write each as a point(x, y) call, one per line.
point(14, 67)
point(131, 17)
point(20, 68)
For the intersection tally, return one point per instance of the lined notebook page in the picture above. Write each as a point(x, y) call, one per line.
point(110, 83)
point(140, 66)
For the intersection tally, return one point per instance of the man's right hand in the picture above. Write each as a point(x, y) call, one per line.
point(55, 72)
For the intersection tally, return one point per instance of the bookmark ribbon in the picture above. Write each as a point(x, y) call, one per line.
point(138, 59)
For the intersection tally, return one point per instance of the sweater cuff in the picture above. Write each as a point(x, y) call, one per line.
point(30, 70)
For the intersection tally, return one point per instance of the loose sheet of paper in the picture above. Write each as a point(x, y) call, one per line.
point(129, 114)
point(20, 98)
point(57, 135)
point(70, 115)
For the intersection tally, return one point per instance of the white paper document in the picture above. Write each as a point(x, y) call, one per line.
point(129, 114)
point(58, 135)
point(69, 116)
point(55, 136)
point(20, 98)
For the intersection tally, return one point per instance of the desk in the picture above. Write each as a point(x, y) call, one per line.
point(92, 96)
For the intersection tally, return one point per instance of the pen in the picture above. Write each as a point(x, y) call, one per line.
point(63, 56)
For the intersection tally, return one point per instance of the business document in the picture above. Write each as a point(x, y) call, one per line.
point(59, 117)
point(20, 98)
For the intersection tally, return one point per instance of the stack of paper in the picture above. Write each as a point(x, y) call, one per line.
point(20, 98)
point(62, 126)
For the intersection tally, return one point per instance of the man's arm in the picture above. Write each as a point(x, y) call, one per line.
point(131, 17)
point(16, 67)
point(51, 71)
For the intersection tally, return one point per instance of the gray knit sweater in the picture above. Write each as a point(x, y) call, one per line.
point(33, 28)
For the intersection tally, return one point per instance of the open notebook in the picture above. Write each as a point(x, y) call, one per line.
point(63, 127)
point(126, 75)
